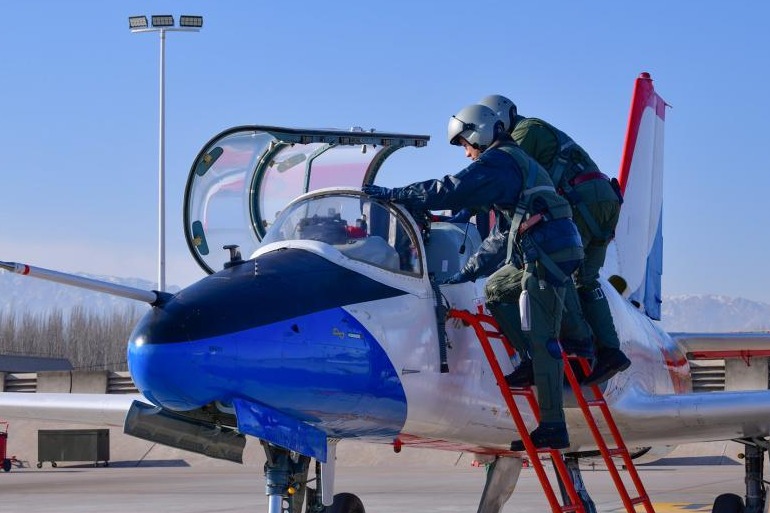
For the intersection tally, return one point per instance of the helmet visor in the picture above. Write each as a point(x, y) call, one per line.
point(457, 129)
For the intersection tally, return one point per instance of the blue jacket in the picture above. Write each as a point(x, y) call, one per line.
point(492, 182)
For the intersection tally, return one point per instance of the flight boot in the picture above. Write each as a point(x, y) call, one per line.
point(551, 435)
point(609, 362)
point(522, 376)
point(583, 348)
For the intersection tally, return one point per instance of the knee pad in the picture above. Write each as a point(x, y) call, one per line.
point(554, 349)
point(591, 295)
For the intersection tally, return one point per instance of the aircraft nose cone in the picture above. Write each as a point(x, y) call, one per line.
point(180, 375)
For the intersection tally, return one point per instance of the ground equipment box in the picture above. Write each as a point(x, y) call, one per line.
point(56, 445)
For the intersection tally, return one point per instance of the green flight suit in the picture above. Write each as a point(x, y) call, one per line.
point(584, 300)
point(502, 290)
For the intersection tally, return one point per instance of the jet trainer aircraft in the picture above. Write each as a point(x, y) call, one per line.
point(334, 327)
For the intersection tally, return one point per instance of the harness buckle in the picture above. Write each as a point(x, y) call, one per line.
point(532, 221)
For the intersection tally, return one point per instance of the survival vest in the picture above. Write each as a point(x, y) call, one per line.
point(538, 202)
point(570, 166)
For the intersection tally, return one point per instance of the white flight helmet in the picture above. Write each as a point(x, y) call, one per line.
point(503, 107)
point(475, 124)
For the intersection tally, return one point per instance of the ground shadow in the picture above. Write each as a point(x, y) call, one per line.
point(691, 461)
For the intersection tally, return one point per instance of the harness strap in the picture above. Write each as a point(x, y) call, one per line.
point(549, 264)
point(529, 223)
point(577, 201)
point(521, 209)
point(587, 177)
point(561, 161)
point(590, 221)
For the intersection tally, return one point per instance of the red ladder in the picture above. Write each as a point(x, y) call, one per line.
point(477, 321)
point(608, 453)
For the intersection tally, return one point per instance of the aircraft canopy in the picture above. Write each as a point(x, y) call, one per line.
point(245, 176)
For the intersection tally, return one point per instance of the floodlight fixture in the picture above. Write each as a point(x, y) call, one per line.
point(137, 22)
point(165, 20)
point(162, 24)
point(191, 21)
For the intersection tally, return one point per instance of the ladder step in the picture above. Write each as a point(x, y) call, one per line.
point(484, 335)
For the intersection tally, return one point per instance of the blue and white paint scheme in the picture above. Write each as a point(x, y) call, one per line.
point(320, 321)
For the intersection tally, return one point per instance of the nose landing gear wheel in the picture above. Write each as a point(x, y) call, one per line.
point(345, 503)
point(728, 503)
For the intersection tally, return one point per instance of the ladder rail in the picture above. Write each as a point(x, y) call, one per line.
point(606, 452)
point(475, 321)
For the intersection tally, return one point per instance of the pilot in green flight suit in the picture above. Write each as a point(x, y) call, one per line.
point(534, 240)
point(595, 201)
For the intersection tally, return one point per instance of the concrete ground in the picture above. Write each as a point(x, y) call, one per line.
point(143, 477)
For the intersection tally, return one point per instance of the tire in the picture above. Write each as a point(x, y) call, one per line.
point(345, 503)
point(728, 503)
point(6, 465)
point(39, 464)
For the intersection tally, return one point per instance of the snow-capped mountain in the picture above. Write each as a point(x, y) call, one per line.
point(710, 313)
point(20, 294)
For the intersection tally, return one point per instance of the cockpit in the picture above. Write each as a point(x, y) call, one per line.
point(243, 179)
point(360, 228)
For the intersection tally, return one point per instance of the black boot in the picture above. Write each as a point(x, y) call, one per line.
point(551, 435)
point(522, 376)
point(610, 362)
point(583, 348)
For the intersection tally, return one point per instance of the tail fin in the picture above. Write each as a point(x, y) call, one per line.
point(634, 259)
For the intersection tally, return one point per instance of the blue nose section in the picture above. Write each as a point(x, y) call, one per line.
point(277, 337)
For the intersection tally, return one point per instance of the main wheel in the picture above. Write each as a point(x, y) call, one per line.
point(345, 503)
point(7, 464)
point(728, 503)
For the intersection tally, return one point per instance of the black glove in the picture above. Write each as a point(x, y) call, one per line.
point(377, 192)
point(458, 277)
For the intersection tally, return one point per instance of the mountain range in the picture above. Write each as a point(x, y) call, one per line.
point(691, 313)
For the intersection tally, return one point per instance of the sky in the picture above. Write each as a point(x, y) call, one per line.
point(79, 110)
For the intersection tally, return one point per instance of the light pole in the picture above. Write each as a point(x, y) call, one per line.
point(163, 24)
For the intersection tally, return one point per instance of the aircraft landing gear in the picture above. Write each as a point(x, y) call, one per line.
point(285, 479)
point(753, 456)
point(286, 485)
point(343, 503)
point(573, 466)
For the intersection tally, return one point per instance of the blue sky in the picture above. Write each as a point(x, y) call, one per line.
point(79, 110)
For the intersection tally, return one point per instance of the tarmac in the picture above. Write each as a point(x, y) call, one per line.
point(143, 477)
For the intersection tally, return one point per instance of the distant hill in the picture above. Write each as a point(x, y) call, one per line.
point(24, 294)
point(708, 313)
point(699, 313)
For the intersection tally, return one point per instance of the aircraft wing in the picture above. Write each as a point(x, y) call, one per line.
point(101, 409)
point(720, 391)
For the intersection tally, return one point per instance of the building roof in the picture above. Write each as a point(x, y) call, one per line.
point(19, 363)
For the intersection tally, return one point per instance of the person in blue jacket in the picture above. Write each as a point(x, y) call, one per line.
point(529, 255)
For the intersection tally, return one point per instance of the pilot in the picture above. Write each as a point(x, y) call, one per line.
point(595, 201)
point(534, 240)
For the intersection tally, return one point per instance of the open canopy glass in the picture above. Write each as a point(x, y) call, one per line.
point(244, 177)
